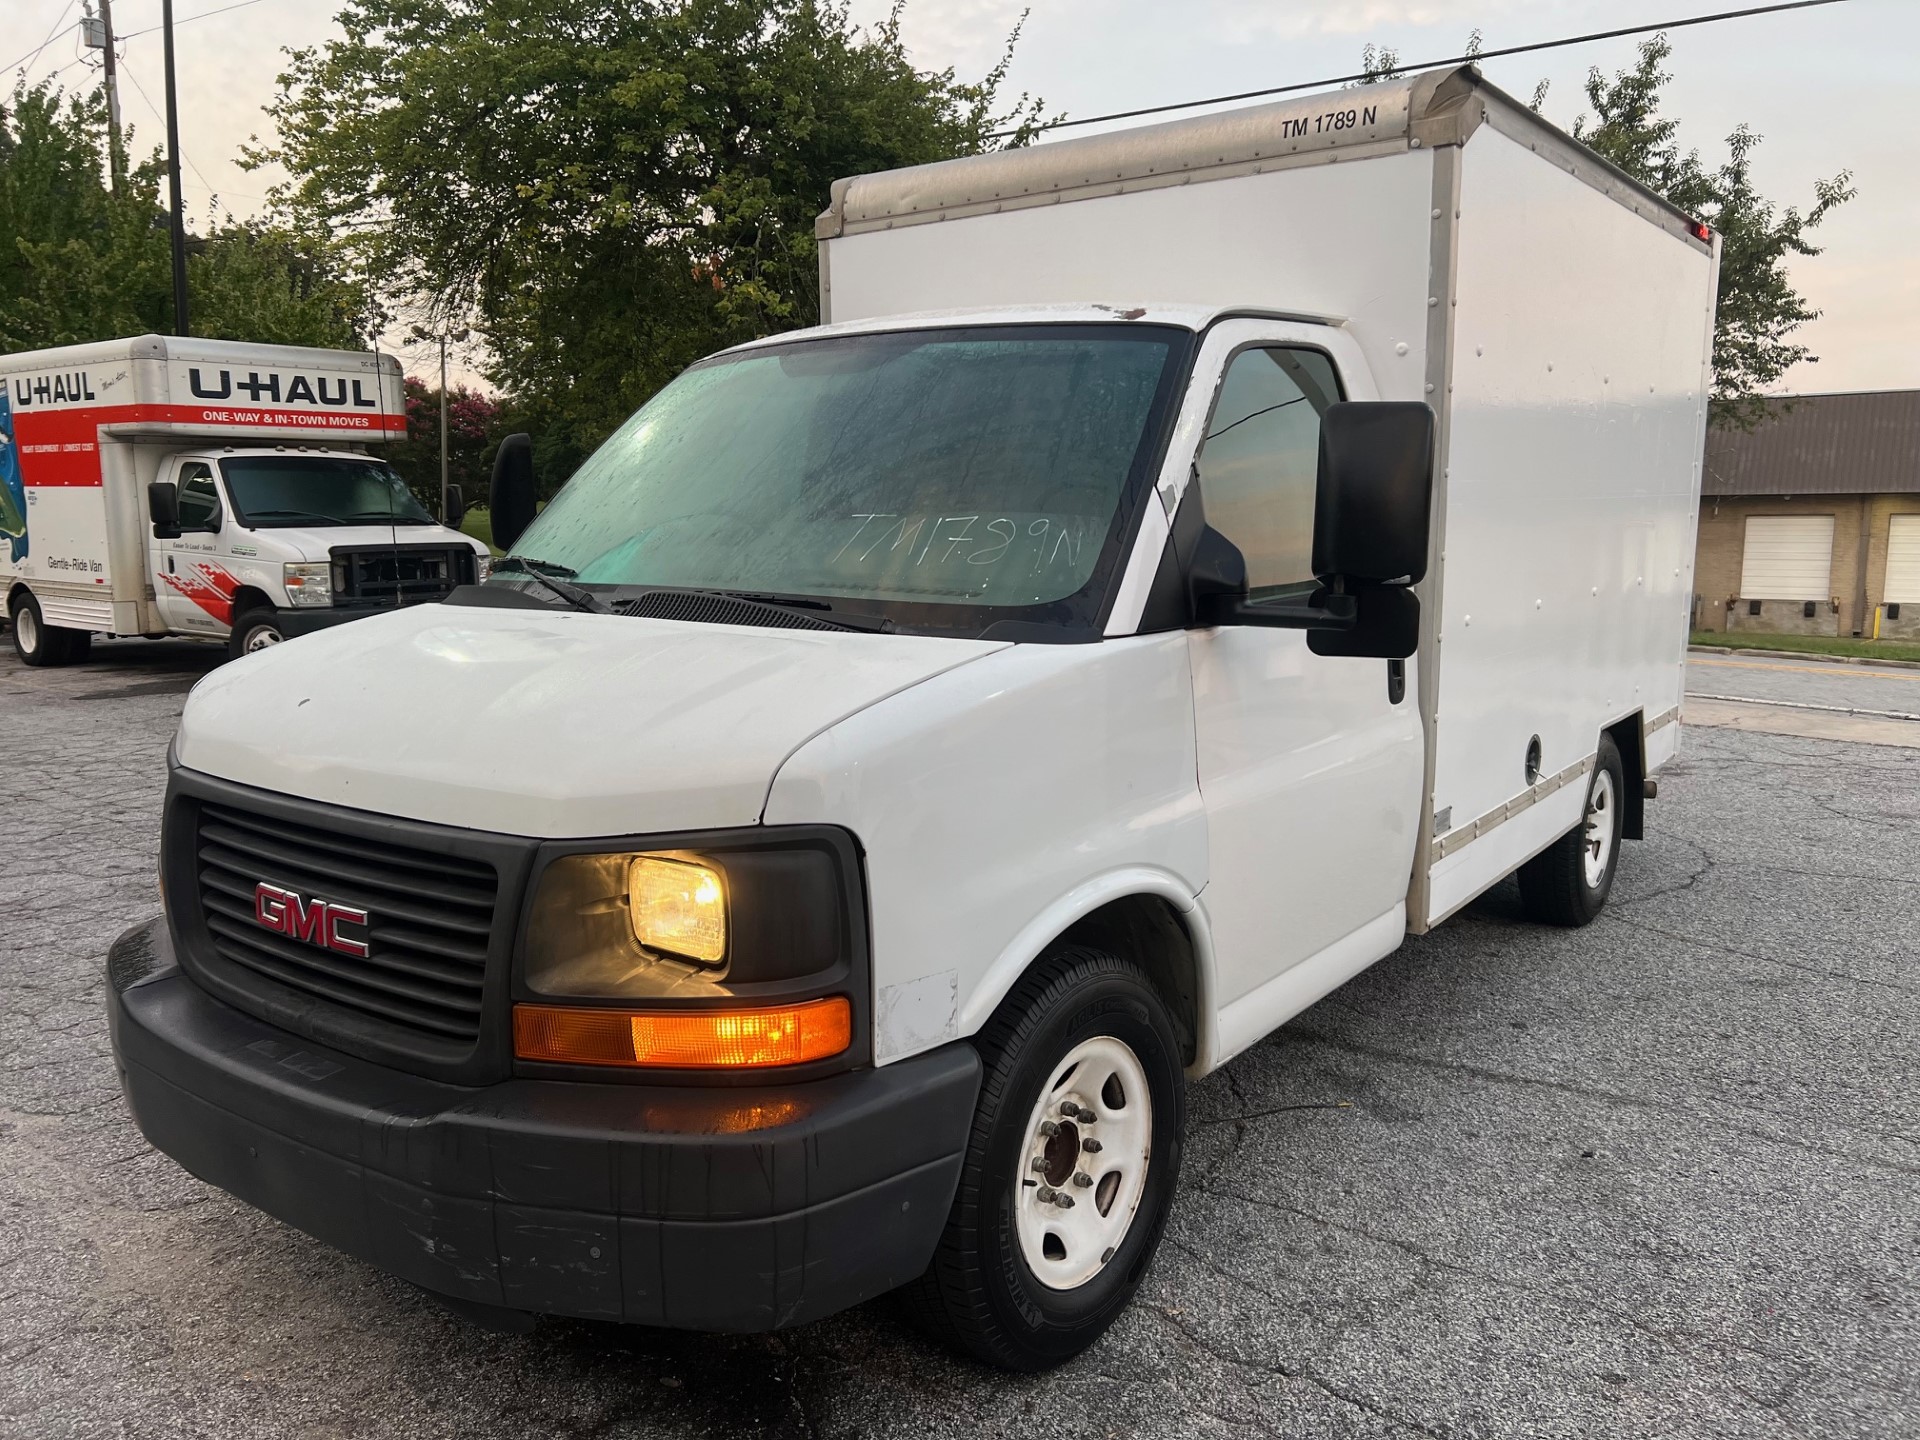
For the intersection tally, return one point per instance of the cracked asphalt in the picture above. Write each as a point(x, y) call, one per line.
point(1652, 1178)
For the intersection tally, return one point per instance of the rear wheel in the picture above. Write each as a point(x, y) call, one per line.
point(1070, 1165)
point(256, 629)
point(38, 643)
point(1569, 881)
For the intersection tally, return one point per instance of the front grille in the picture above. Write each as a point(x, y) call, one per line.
point(430, 917)
point(398, 574)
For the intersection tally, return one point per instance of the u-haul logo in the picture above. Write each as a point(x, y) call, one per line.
point(318, 922)
point(278, 388)
point(62, 388)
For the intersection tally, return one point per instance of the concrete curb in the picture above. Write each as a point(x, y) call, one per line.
point(1803, 655)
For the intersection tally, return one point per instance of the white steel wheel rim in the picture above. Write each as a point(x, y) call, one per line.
point(28, 629)
point(261, 636)
point(1601, 813)
point(1099, 1165)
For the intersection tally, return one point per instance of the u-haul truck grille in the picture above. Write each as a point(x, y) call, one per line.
point(399, 574)
point(394, 933)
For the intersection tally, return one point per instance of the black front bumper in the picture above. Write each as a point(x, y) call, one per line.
point(699, 1208)
point(309, 618)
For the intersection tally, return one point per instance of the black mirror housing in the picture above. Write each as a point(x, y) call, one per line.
point(163, 508)
point(1374, 507)
point(456, 507)
point(512, 496)
point(1386, 624)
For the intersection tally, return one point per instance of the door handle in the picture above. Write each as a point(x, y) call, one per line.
point(1396, 681)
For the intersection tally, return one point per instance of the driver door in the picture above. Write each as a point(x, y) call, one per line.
point(193, 587)
point(1310, 766)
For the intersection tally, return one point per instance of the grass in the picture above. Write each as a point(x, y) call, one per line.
point(478, 523)
point(1810, 644)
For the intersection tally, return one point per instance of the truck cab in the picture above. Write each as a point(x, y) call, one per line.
point(255, 545)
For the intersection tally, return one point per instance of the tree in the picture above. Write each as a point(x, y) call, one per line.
point(606, 190)
point(79, 262)
point(1759, 308)
point(473, 425)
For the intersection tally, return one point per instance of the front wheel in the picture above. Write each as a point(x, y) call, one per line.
point(254, 630)
point(1070, 1165)
point(1569, 881)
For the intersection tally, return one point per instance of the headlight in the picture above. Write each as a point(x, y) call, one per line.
point(309, 584)
point(482, 568)
point(684, 923)
point(678, 907)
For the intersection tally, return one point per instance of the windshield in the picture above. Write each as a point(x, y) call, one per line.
point(990, 468)
point(274, 492)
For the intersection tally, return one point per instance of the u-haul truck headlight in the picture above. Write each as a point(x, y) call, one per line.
point(482, 569)
point(309, 584)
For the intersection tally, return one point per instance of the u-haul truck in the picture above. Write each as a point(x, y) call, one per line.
point(225, 491)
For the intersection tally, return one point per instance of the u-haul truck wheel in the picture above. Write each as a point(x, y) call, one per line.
point(1070, 1165)
point(253, 630)
point(1569, 881)
point(38, 643)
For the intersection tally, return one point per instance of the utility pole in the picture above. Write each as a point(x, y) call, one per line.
point(443, 427)
point(180, 318)
point(99, 35)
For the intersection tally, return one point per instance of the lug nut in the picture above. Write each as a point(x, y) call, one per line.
point(1087, 1117)
point(1049, 1129)
point(1092, 1147)
point(1069, 1109)
point(1039, 1162)
point(1063, 1200)
point(1046, 1195)
point(1082, 1179)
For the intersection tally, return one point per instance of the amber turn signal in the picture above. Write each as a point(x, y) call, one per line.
point(684, 1039)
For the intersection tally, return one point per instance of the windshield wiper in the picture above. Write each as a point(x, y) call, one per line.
point(549, 576)
point(298, 515)
point(879, 625)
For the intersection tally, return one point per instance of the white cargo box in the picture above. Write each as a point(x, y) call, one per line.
point(1557, 315)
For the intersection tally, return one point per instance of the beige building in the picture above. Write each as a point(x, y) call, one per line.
point(1810, 522)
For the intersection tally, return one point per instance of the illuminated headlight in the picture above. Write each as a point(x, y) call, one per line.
point(678, 907)
point(482, 568)
point(309, 584)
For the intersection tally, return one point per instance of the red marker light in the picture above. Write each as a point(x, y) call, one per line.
point(1702, 231)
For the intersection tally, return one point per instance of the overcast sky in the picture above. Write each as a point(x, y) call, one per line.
point(1828, 88)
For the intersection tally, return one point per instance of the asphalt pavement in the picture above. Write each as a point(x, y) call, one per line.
point(1658, 1177)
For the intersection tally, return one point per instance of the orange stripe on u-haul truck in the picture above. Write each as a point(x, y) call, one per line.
point(62, 447)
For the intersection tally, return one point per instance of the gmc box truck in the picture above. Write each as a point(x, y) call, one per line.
point(224, 491)
point(910, 751)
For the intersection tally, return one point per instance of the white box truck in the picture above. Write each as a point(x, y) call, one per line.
point(911, 750)
point(164, 486)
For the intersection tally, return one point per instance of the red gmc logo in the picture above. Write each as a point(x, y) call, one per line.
point(317, 922)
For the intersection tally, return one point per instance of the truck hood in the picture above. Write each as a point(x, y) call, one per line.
point(316, 542)
point(557, 725)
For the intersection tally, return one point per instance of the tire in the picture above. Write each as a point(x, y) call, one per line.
point(1568, 882)
point(38, 643)
point(1004, 1286)
point(255, 629)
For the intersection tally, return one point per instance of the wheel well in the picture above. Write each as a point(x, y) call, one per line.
point(1147, 932)
point(1629, 738)
point(247, 598)
point(13, 595)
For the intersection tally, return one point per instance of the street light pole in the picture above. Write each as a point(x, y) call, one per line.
point(443, 427)
point(180, 317)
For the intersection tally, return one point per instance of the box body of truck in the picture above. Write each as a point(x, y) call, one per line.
point(1191, 559)
point(91, 427)
point(1557, 316)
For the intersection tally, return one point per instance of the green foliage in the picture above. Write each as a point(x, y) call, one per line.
point(473, 426)
point(79, 262)
point(1759, 308)
point(608, 190)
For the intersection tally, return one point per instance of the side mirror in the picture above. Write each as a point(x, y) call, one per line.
point(1372, 523)
point(1374, 503)
point(163, 508)
point(512, 497)
point(456, 508)
point(1217, 593)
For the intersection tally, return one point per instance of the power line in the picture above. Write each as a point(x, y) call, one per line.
point(1420, 65)
point(59, 29)
point(128, 72)
point(189, 19)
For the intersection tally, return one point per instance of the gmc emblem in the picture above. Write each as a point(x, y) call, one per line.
point(317, 922)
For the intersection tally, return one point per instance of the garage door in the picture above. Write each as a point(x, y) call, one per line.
point(1903, 560)
point(1788, 557)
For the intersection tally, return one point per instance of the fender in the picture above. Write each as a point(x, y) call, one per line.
point(1076, 904)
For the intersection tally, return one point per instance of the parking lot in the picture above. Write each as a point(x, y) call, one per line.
point(1657, 1177)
